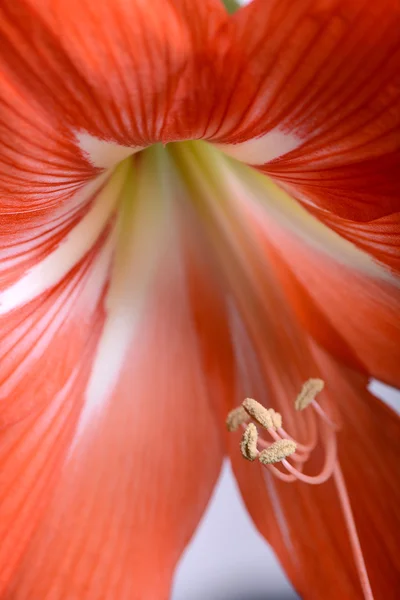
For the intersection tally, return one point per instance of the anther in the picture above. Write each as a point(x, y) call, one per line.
point(276, 418)
point(309, 391)
point(258, 412)
point(277, 452)
point(248, 445)
point(236, 418)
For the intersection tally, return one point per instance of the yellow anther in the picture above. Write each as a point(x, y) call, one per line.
point(276, 418)
point(248, 445)
point(258, 412)
point(277, 452)
point(310, 389)
point(237, 416)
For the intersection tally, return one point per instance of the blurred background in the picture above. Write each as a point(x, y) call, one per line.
point(227, 558)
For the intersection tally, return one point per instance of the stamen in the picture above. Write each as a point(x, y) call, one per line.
point(277, 452)
point(285, 446)
point(236, 418)
point(259, 413)
point(248, 445)
point(309, 391)
point(352, 531)
point(329, 441)
point(322, 414)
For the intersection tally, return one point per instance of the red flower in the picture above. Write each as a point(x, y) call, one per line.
point(150, 282)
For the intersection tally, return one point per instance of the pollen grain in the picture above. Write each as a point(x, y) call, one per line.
point(277, 452)
point(309, 391)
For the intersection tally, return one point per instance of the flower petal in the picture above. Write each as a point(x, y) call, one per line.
point(347, 301)
point(42, 387)
point(313, 102)
point(127, 73)
point(110, 464)
point(41, 165)
point(51, 262)
point(354, 316)
point(54, 271)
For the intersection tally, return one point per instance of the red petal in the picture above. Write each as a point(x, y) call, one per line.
point(380, 238)
point(54, 270)
point(41, 165)
point(354, 315)
point(342, 297)
point(108, 471)
point(314, 99)
point(128, 72)
point(41, 393)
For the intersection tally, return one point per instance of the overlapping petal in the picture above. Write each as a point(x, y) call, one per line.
point(345, 299)
point(353, 315)
point(121, 72)
point(313, 102)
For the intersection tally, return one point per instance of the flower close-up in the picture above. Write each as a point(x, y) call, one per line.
point(199, 260)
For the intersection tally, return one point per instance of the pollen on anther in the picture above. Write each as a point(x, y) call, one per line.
point(259, 413)
point(248, 445)
point(238, 416)
point(309, 391)
point(277, 452)
point(276, 418)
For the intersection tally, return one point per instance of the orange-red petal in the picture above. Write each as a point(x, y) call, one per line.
point(345, 300)
point(354, 315)
point(112, 399)
point(313, 102)
point(47, 350)
point(340, 295)
point(139, 474)
point(131, 73)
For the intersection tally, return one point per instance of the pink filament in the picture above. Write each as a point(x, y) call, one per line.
point(321, 413)
point(352, 531)
point(327, 470)
point(303, 447)
point(296, 456)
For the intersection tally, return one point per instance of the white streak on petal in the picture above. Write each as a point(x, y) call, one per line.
point(101, 153)
point(27, 240)
point(143, 228)
point(261, 150)
point(262, 197)
point(36, 340)
point(66, 255)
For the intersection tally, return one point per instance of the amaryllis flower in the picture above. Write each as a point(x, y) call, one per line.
point(197, 208)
